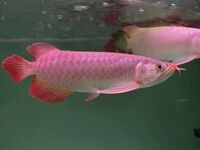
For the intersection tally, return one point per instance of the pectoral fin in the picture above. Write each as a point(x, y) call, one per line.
point(185, 59)
point(120, 88)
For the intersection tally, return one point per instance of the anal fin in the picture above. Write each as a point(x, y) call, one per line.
point(46, 92)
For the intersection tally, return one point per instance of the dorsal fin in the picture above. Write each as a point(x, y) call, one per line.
point(39, 48)
point(128, 30)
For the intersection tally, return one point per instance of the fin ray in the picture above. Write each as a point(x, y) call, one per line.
point(40, 48)
point(47, 92)
point(17, 67)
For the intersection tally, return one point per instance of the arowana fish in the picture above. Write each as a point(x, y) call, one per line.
point(59, 73)
point(169, 43)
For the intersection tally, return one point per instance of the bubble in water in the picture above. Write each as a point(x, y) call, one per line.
point(105, 4)
point(80, 7)
point(141, 10)
point(44, 12)
point(91, 19)
point(172, 5)
point(158, 2)
point(182, 100)
point(133, 1)
point(49, 26)
point(59, 17)
point(5, 3)
point(39, 26)
point(2, 18)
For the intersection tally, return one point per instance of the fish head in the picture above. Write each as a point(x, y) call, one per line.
point(154, 72)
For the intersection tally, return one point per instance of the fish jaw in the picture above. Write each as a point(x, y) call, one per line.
point(165, 75)
point(161, 79)
point(168, 72)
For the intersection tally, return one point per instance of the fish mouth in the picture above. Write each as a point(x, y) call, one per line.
point(169, 71)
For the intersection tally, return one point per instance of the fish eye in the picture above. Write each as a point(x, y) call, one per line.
point(160, 67)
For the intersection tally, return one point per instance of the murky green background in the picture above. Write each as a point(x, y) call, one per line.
point(155, 118)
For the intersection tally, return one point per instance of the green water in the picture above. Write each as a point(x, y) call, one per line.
point(161, 117)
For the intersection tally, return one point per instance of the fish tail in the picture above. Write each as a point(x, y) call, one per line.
point(110, 45)
point(17, 67)
point(117, 43)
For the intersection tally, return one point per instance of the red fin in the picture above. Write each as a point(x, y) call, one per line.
point(112, 17)
point(39, 48)
point(117, 43)
point(110, 46)
point(48, 93)
point(17, 67)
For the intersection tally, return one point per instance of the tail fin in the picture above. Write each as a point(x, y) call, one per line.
point(17, 67)
point(110, 46)
point(117, 43)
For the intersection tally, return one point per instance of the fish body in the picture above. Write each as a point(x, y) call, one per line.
point(59, 73)
point(169, 43)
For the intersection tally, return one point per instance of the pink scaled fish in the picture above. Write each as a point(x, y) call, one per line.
point(170, 43)
point(58, 73)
